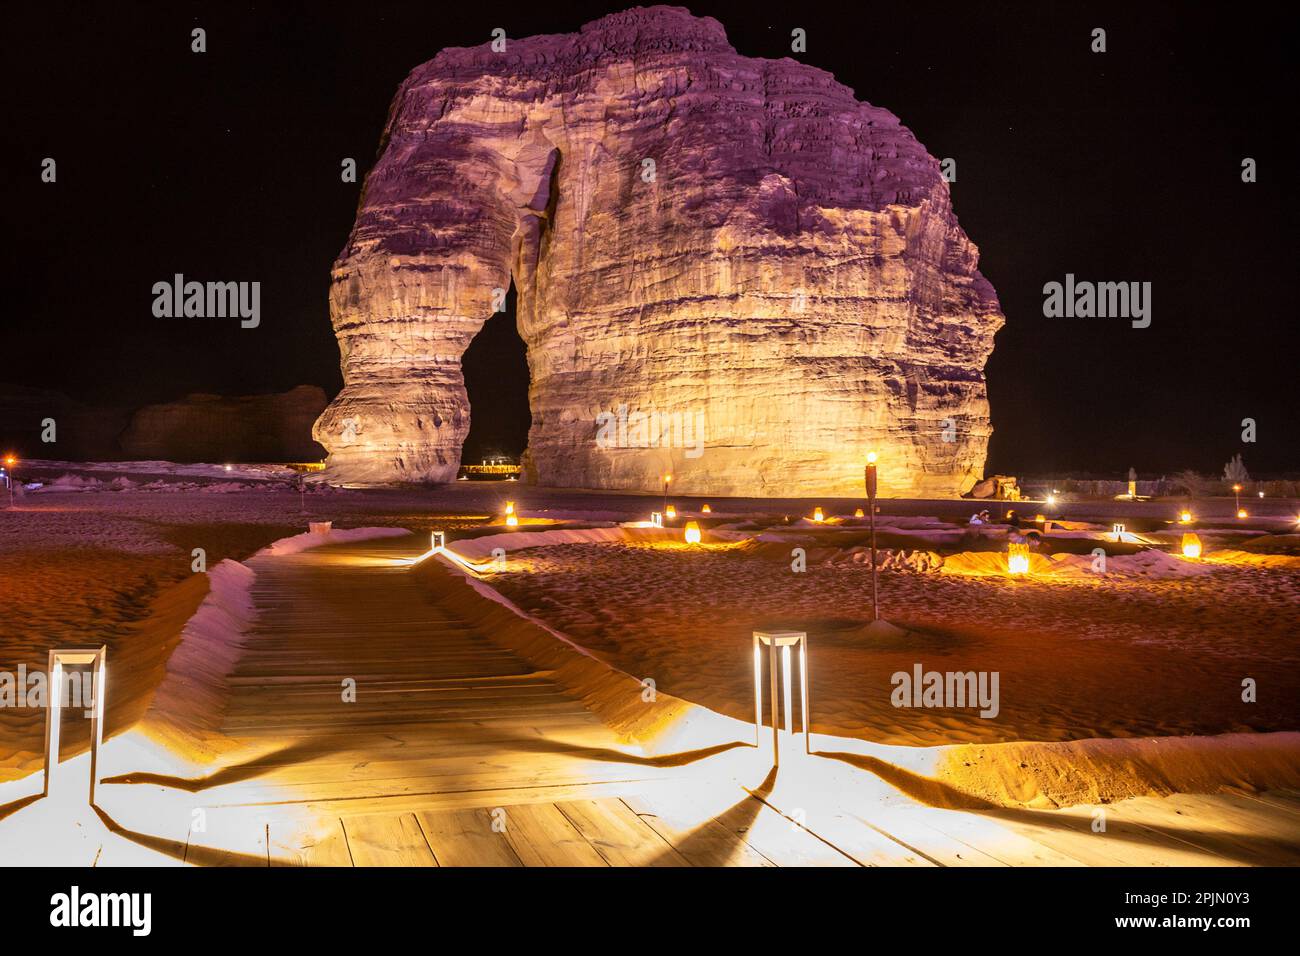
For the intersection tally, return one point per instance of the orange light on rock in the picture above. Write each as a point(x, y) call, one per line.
point(706, 510)
point(670, 512)
point(1191, 546)
point(859, 513)
point(817, 515)
point(1241, 513)
point(692, 532)
point(1017, 558)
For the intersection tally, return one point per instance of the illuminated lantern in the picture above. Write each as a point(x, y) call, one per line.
point(670, 512)
point(692, 532)
point(1185, 517)
point(512, 519)
point(510, 507)
point(657, 519)
point(1118, 530)
point(1191, 546)
point(1051, 501)
point(1241, 513)
point(706, 509)
point(817, 515)
point(859, 513)
point(439, 540)
point(1017, 558)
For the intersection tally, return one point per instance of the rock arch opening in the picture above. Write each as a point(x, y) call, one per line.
point(495, 368)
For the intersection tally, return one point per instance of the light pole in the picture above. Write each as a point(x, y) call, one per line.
point(11, 462)
point(1236, 493)
point(668, 479)
point(871, 510)
point(879, 627)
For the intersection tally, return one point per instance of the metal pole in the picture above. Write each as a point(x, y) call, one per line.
point(871, 504)
point(803, 683)
point(875, 587)
point(758, 692)
point(776, 728)
point(54, 678)
point(789, 697)
point(97, 720)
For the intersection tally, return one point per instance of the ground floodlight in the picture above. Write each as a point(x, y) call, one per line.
point(95, 657)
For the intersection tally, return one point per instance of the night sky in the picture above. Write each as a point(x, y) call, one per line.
point(1122, 166)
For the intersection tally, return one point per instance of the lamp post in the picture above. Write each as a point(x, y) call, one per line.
point(871, 510)
point(10, 462)
point(879, 627)
point(668, 478)
point(1236, 494)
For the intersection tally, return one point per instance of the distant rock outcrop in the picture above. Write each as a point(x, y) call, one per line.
point(731, 257)
point(212, 428)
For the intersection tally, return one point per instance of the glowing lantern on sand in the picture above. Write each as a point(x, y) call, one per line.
point(859, 513)
point(1241, 513)
point(1017, 558)
point(1191, 546)
point(670, 512)
point(817, 515)
point(706, 509)
point(1184, 517)
point(512, 519)
point(692, 532)
point(657, 519)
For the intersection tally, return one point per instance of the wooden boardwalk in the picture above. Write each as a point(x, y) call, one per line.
point(375, 728)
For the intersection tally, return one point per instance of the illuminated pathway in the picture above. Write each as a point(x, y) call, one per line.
point(455, 751)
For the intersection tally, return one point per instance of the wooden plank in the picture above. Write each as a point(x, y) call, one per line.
point(541, 835)
point(779, 839)
point(989, 838)
point(1281, 799)
point(227, 838)
point(701, 842)
point(619, 835)
point(387, 839)
point(1123, 843)
point(323, 844)
point(864, 844)
point(918, 838)
point(467, 837)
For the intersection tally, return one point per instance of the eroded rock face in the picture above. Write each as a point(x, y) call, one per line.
point(787, 272)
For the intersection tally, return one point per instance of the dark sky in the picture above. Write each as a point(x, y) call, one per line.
point(1120, 166)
